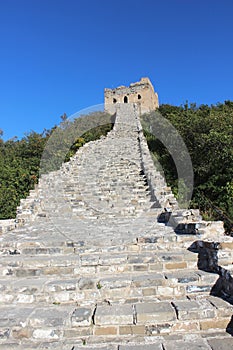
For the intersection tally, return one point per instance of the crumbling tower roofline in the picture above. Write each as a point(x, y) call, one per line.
point(141, 92)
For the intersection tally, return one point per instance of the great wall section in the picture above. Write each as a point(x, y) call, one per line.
point(91, 267)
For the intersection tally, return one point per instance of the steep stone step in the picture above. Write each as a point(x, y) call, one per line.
point(37, 241)
point(105, 262)
point(153, 319)
point(40, 323)
point(138, 257)
point(162, 343)
point(65, 288)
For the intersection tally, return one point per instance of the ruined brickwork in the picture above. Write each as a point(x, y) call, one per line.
point(142, 93)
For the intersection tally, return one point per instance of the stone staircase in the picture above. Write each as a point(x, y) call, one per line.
point(92, 268)
point(123, 181)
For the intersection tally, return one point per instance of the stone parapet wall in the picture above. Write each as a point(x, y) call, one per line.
point(161, 192)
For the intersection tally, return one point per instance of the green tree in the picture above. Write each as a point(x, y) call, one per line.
point(207, 132)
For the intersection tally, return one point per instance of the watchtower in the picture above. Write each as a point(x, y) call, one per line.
point(141, 92)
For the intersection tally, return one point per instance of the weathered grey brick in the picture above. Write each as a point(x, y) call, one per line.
point(154, 346)
point(221, 344)
point(82, 316)
point(114, 315)
point(158, 312)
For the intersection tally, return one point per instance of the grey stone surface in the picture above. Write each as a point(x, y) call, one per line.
point(154, 346)
point(190, 310)
point(86, 283)
point(194, 344)
point(157, 312)
point(114, 315)
point(108, 347)
point(49, 317)
point(221, 344)
point(10, 316)
point(82, 316)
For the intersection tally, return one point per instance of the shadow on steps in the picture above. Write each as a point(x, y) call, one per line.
point(208, 262)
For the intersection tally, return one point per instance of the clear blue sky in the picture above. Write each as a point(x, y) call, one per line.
point(58, 55)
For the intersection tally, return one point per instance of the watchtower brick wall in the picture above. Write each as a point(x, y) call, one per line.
point(141, 92)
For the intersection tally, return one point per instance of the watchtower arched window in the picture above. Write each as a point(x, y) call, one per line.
point(114, 100)
point(125, 99)
point(139, 97)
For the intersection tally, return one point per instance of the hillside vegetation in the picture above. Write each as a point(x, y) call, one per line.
point(206, 130)
point(208, 134)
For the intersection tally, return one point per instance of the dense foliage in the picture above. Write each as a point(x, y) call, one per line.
point(208, 134)
point(19, 169)
point(206, 130)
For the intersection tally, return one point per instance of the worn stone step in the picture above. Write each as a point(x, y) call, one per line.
point(191, 342)
point(27, 287)
point(159, 312)
point(37, 247)
point(40, 322)
point(67, 293)
point(160, 240)
point(176, 279)
point(22, 266)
